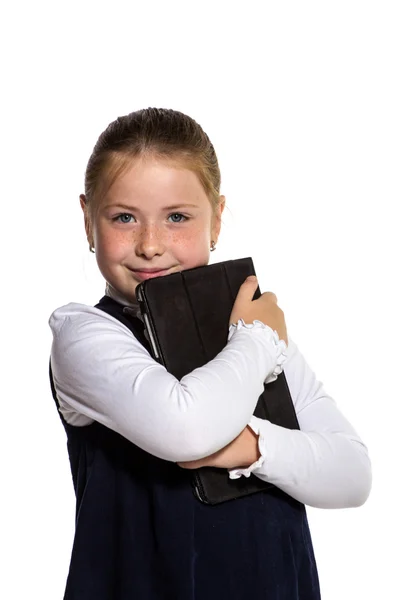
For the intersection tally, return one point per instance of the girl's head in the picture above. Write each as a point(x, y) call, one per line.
point(152, 197)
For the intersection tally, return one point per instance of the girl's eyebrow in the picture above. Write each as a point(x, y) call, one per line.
point(181, 206)
point(135, 209)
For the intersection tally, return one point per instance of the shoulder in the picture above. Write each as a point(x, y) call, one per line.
point(89, 342)
point(80, 331)
point(303, 384)
point(292, 352)
point(75, 318)
point(292, 368)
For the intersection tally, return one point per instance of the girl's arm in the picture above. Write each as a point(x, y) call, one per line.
point(102, 373)
point(325, 464)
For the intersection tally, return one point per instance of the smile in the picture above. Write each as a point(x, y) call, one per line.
point(149, 273)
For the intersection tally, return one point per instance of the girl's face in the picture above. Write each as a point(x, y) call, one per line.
point(156, 219)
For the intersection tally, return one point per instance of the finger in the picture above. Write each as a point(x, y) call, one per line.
point(247, 289)
point(271, 296)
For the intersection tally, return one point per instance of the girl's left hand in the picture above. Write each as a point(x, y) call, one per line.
point(240, 453)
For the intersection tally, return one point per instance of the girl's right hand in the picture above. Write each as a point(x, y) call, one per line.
point(264, 309)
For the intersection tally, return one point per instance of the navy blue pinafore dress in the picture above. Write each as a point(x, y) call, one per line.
point(141, 534)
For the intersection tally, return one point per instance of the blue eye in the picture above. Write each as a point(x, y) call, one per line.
point(181, 217)
point(123, 218)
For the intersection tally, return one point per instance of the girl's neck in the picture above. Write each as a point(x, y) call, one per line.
point(115, 295)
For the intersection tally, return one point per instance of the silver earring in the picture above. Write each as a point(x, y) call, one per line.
point(213, 246)
point(91, 248)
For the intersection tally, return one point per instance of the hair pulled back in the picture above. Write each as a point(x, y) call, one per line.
point(159, 133)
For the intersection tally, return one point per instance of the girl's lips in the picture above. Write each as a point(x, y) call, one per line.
point(149, 274)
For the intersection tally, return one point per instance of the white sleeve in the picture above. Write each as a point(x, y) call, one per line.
point(102, 373)
point(325, 464)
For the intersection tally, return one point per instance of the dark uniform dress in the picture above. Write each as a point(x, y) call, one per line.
point(141, 534)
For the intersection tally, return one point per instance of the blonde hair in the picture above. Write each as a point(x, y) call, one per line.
point(161, 133)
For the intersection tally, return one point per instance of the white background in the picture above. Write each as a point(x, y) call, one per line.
point(302, 103)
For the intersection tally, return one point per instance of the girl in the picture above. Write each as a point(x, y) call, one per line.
point(152, 206)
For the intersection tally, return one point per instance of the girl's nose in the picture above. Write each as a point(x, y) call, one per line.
point(150, 243)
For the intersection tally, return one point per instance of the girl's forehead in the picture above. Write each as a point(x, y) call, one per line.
point(151, 164)
point(147, 177)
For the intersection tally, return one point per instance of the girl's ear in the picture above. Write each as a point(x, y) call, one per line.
point(216, 227)
point(88, 226)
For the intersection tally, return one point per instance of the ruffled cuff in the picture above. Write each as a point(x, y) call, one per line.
point(280, 346)
point(237, 473)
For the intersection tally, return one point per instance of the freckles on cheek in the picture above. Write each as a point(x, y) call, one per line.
point(191, 247)
point(182, 241)
point(115, 240)
point(196, 236)
point(188, 242)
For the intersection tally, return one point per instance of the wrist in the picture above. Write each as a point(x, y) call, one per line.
point(252, 450)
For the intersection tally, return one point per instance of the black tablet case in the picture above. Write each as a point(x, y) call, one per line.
point(187, 318)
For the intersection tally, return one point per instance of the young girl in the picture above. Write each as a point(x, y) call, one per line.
point(152, 206)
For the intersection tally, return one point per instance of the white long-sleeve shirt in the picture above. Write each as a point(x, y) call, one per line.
point(102, 373)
